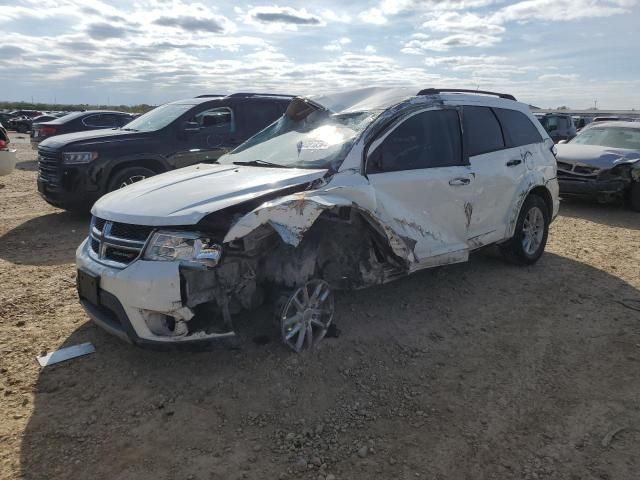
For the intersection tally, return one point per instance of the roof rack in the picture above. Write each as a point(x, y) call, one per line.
point(253, 94)
point(434, 91)
point(206, 95)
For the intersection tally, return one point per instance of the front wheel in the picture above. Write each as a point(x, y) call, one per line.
point(530, 236)
point(129, 176)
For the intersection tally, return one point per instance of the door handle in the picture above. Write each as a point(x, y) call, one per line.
point(513, 163)
point(459, 181)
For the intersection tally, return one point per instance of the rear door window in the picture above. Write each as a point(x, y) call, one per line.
point(518, 129)
point(482, 132)
point(261, 115)
point(425, 140)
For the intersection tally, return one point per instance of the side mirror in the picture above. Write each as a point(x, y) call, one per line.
point(190, 127)
point(562, 142)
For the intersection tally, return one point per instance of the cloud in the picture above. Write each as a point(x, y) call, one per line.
point(419, 46)
point(284, 16)
point(374, 16)
point(558, 76)
point(210, 25)
point(105, 31)
point(337, 45)
point(370, 49)
point(468, 22)
point(562, 10)
point(11, 51)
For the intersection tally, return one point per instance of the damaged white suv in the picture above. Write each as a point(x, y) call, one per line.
point(342, 192)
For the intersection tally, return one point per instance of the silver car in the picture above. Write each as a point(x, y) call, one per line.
point(602, 162)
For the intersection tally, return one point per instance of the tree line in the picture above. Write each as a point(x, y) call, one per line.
point(69, 107)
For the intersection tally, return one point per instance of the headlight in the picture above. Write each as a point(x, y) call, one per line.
point(171, 246)
point(75, 158)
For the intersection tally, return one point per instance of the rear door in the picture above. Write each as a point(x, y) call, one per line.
point(257, 114)
point(422, 186)
point(493, 144)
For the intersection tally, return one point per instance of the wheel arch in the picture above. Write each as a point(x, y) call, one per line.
point(538, 189)
point(155, 164)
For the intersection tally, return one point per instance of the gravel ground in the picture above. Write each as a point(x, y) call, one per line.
point(478, 370)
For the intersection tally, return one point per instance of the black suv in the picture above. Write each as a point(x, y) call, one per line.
point(559, 126)
point(77, 122)
point(74, 170)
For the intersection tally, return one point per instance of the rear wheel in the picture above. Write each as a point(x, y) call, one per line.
point(128, 176)
point(530, 236)
point(634, 196)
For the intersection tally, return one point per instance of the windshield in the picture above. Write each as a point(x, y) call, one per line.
point(319, 140)
point(157, 118)
point(615, 137)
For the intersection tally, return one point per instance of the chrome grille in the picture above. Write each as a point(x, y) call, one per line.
point(117, 244)
point(582, 173)
point(49, 168)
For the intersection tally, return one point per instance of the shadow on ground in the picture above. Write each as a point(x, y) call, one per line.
point(610, 214)
point(46, 240)
point(479, 370)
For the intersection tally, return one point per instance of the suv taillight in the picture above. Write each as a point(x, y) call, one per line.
point(47, 131)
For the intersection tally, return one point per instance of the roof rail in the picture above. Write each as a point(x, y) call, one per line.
point(206, 95)
point(253, 94)
point(433, 91)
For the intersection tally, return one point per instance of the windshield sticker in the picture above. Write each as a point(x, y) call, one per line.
point(312, 145)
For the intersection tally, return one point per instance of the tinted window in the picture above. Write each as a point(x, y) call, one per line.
point(215, 119)
point(122, 119)
point(261, 115)
point(482, 133)
point(109, 120)
point(93, 121)
point(518, 129)
point(426, 140)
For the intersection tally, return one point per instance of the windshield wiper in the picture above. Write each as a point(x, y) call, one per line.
point(260, 163)
point(130, 129)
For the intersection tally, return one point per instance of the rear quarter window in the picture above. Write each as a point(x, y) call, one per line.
point(518, 128)
point(482, 132)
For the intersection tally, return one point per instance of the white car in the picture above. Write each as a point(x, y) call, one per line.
point(344, 191)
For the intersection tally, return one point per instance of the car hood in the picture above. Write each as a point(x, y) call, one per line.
point(185, 196)
point(89, 137)
point(595, 155)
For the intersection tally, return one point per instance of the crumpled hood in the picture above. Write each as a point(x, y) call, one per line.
point(185, 196)
point(595, 155)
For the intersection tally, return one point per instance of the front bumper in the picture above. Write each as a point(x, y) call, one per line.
point(591, 187)
point(130, 298)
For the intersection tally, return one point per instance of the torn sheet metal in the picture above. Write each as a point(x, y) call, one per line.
point(65, 354)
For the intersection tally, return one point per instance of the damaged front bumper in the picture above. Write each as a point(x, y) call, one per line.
point(143, 303)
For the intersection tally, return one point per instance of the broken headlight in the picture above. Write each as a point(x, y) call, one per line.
point(172, 246)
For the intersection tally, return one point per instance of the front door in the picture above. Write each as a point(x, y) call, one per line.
point(205, 137)
point(422, 187)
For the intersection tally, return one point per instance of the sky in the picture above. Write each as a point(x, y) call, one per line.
point(548, 53)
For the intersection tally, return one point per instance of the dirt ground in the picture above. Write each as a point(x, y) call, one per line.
point(481, 370)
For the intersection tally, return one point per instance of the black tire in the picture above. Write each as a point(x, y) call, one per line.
point(128, 176)
point(634, 196)
point(514, 250)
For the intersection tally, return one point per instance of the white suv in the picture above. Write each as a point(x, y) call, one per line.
point(343, 191)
